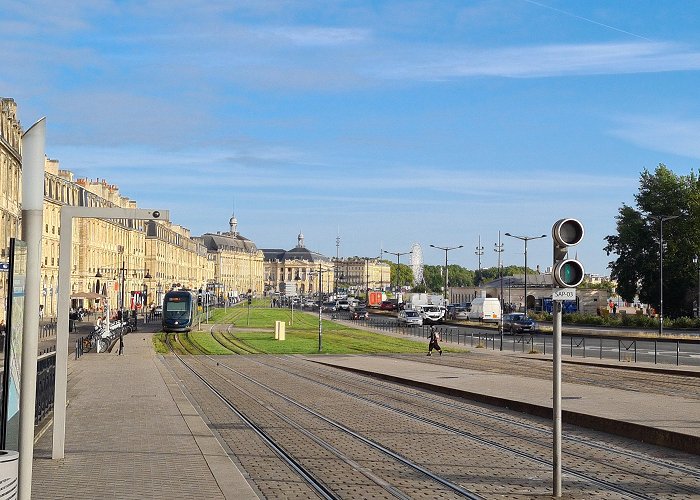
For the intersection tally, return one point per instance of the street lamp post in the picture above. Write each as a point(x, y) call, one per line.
point(479, 252)
point(446, 249)
point(144, 300)
point(660, 219)
point(526, 239)
point(320, 304)
point(697, 307)
point(296, 293)
point(498, 247)
point(121, 290)
point(337, 258)
point(367, 281)
point(398, 257)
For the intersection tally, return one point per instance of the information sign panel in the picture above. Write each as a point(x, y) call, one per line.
point(563, 294)
point(12, 362)
point(290, 289)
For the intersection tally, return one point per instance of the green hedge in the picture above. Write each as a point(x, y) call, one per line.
point(625, 320)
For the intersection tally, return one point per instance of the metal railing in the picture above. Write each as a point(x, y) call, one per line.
point(45, 381)
point(623, 349)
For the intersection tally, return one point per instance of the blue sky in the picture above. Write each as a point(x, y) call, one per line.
point(387, 122)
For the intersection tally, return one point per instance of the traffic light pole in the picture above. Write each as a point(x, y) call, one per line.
point(568, 274)
point(556, 397)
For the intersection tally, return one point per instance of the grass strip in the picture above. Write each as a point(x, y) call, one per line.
point(187, 344)
point(205, 343)
point(241, 346)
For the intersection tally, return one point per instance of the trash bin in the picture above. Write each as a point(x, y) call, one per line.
point(9, 469)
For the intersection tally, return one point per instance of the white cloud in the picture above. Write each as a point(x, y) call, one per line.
point(310, 36)
point(663, 134)
point(546, 61)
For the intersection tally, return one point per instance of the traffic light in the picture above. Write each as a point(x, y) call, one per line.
point(567, 273)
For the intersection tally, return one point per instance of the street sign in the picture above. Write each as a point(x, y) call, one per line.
point(563, 294)
point(290, 289)
point(4, 266)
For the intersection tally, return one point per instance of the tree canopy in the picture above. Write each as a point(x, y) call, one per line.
point(637, 268)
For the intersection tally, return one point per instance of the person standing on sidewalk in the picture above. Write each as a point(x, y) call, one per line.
point(434, 339)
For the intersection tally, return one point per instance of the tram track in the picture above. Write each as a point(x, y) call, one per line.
point(314, 437)
point(414, 395)
point(645, 461)
point(317, 486)
point(614, 476)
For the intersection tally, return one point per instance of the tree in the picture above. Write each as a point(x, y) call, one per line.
point(405, 274)
point(637, 245)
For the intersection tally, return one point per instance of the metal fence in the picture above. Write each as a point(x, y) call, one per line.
point(45, 381)
point(673, 351)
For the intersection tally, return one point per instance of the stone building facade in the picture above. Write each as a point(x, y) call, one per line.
point(360, 273)
point(10, 180)
point(238, 264)
point(309, 270)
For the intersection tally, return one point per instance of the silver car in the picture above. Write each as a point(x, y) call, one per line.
point(410, 317)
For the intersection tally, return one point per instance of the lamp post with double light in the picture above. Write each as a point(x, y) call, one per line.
point(479, 252)
point(446, 249)
point(660, 219)
point(297, 278)
point(398, 265)
point(319, 273)
point(696, 261)
point(526, 239)
point(498, 248)
point(144, 297)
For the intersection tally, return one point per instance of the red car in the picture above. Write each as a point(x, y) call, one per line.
point(387, 306)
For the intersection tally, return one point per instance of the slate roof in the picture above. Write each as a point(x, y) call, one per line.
point(226, 241)
point(296, 253)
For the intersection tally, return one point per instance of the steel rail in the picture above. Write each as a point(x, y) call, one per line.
point(439, 479)
point(316, 484)
point(605, 484)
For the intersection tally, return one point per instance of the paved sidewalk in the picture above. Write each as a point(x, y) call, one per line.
point(132, 433)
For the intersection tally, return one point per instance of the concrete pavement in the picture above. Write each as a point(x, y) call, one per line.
point(131, 432)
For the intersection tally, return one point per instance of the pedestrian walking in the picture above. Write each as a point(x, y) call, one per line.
point(121, 344)
point(434, 339)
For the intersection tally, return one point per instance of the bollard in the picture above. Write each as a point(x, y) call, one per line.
point(282, 333)
point(9, 461)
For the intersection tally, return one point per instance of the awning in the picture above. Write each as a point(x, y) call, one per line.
point(88, 295)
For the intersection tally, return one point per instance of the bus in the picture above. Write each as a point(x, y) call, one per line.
point(179, 308)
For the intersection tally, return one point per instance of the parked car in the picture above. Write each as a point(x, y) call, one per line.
point(329, 307)
point(360, 313)
point(409, 317)
point(518, 323)
point(387, 306)
point(461, 313)
point(343, 305)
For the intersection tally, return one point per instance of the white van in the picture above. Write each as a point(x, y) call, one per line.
point(485, 309)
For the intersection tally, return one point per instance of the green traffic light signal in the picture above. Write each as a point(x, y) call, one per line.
point(570, 273)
